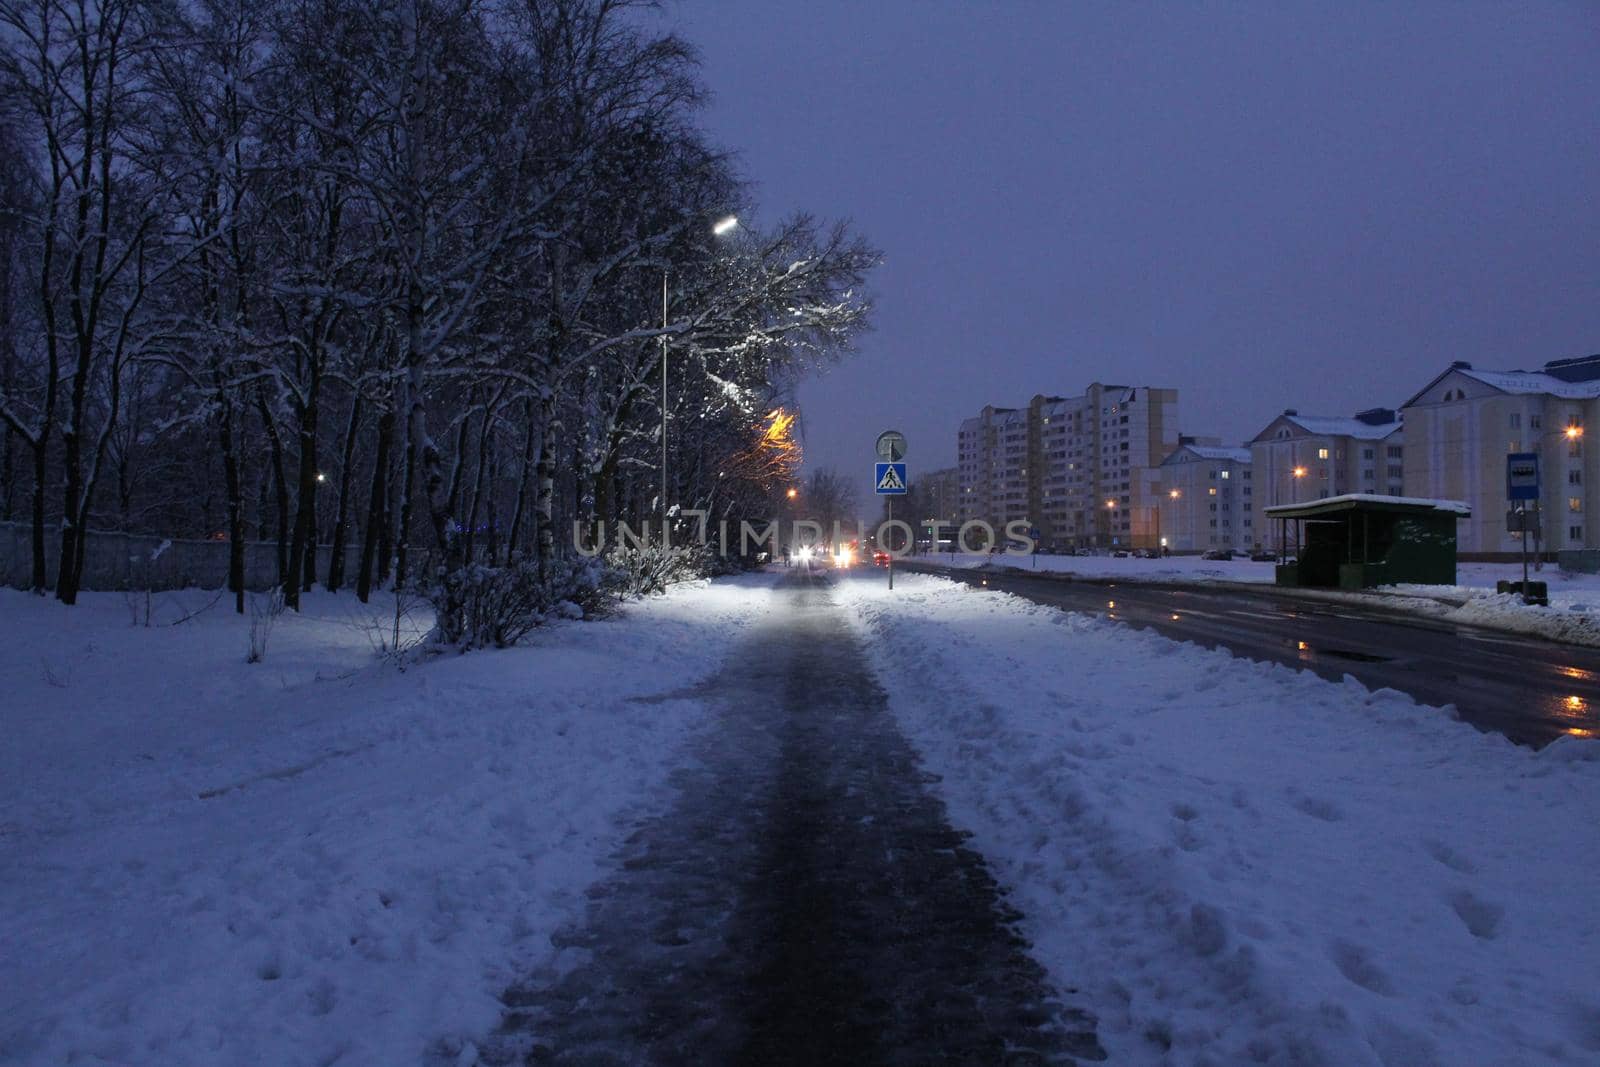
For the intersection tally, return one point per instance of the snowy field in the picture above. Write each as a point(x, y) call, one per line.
point(316, 858)
point(1573, 614)
point(1239, 863)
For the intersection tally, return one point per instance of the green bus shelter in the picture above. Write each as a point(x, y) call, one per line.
point(1362, 540)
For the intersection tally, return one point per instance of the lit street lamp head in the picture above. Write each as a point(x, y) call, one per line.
point(725, 225)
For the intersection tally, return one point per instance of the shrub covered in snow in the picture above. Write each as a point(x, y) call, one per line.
point(478, 605)
point(649, 570)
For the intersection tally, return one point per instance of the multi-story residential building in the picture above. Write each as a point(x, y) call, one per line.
point(1070, 466)
point(1206, 497)
point(1462, 424)
point(1308, 457)
point(936, 497)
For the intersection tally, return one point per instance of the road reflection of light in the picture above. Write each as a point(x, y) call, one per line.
point(1111, 603)
point(1577, 673)
point(1174, 618)
point(1576, 705)
point(1302, 646)
point(1578, 731)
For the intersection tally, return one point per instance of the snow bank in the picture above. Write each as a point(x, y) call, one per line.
point(316, 858)
point(1240, 863)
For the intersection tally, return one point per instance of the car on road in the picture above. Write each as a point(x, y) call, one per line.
point(880, 559)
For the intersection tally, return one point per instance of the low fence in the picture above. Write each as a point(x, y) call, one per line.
point(113, 561)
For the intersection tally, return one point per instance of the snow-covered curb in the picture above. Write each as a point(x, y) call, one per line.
point(313, 859)
point(1236, 862)
point(1573, 617)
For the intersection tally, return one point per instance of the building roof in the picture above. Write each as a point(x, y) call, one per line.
point(1520, 381)
point(1567, 379)
point(1336, 426)
point(1232, 455)
point(1364, 501)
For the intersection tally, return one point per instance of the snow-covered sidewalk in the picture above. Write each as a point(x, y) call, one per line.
point(316, 858)
point(1239, 863)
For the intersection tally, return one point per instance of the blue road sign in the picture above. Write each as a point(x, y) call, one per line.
point(1522, 476)
point(889, 479)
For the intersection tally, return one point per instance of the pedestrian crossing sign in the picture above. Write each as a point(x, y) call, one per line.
point(889, 479)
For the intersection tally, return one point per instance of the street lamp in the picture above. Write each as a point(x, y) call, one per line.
point(793, 492)
point(722, 227)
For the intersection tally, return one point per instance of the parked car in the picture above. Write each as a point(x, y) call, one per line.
point(1120, 553)
point(1218, 553)
point(1263, 557)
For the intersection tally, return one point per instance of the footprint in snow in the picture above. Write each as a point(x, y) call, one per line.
point(1450, 857)
point(1318, 808)
point(1355, 963)
point(1481, 917)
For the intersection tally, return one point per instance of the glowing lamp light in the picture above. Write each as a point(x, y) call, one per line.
point(726, 225)
point(1299, 472)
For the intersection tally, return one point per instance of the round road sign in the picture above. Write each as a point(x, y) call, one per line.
point(892, 446)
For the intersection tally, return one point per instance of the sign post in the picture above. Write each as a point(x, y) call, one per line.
point(1522, 485)
point(889, 479)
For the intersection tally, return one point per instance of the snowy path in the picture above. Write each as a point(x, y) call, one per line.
point(805, 900)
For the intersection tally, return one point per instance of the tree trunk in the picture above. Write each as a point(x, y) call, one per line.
point(342, 519)
point(280, 486)
point(230, 469)
point(377, 509)
point(546, 500)
point(40, 469)
point(305, 534)
point(529, 455)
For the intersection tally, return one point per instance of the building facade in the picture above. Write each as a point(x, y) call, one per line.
point(1074, 467)
point(1206, 497)
point(1299, 458)
point(1460, 427)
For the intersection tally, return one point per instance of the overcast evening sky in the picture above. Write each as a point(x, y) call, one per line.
point(1263, 205)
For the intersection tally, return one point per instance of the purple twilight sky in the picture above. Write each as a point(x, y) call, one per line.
point(1263, 205)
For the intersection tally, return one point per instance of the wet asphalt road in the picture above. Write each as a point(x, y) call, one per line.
point(1528, 689)
point(804, 900)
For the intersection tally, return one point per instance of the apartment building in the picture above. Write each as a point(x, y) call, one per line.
point(1071, 466)
point(1308, 457)
point(1206, 497)
point(1461, 425)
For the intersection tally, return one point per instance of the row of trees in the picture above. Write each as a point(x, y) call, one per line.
point(398, 275)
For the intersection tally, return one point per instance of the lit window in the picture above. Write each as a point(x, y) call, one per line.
point(1322, 453)
point(1575, 504)
point(1212, 491)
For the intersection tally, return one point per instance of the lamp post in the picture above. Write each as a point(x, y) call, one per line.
point(722, 227)
point(1573, 433)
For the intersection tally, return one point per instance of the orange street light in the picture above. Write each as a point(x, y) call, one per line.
point(1111, 503)
point(1299, 472)
point(1574, 432)
point(793, 493)
point(1174, 494)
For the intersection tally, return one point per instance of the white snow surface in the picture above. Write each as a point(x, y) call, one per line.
point(1573, 614)
point(1238, 863)
point(317, 858)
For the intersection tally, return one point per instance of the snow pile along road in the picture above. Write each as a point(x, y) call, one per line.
point(316, 858)
point(1240, 863)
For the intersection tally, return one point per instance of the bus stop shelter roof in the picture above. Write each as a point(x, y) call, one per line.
point(1330, 507)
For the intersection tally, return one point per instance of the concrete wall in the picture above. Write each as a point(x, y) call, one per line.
point(115, 561)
